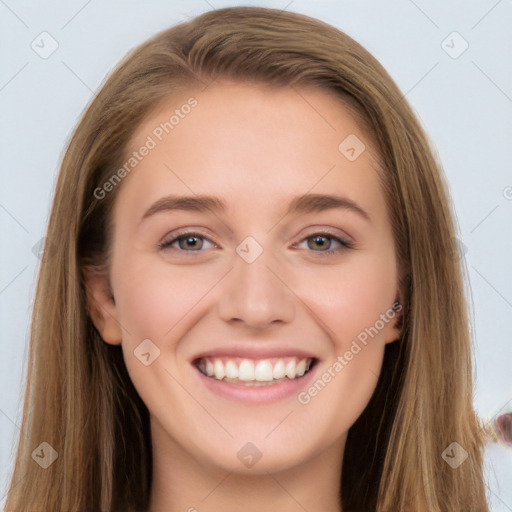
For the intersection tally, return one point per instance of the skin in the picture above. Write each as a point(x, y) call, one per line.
point(256, 149)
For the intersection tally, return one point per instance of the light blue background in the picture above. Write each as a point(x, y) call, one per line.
point(465, 105)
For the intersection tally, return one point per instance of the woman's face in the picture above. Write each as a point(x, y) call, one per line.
point(256, 283)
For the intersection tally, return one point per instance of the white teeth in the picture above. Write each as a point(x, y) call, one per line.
point(246, 370)
point(290, 370)
point(251, 371)
point(231, 370)
point(279, 371)
point(263, 371)
point(209, 368)
point(218, 370)
point(300, 369)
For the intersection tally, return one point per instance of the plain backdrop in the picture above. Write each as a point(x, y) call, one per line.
point(452, 61)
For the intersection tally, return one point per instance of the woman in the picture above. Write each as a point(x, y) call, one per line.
point(252, 367)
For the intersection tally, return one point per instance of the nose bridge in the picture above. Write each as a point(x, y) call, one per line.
point(253, 292)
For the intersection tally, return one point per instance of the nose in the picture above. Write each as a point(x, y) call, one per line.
point(256, 294)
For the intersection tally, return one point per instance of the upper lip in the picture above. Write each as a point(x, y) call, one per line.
point(254, 352)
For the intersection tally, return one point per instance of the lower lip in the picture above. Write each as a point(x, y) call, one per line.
point(257, 394)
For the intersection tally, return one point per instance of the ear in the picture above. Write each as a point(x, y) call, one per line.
point(101, 305)
point(395, 326)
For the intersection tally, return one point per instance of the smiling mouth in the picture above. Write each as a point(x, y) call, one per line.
point(254, 372)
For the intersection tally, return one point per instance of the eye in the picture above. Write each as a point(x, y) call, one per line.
point(188, 241)
point(191, 241)
point(323, 241)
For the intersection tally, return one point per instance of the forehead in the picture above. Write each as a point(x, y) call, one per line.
point(254, 145)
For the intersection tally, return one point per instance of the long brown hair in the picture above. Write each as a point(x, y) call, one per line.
point(79, 397)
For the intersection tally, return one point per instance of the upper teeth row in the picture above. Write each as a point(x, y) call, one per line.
point(264, 370)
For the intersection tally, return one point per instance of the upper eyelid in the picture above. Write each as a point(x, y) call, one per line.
point(186, 232)
point(174, 238)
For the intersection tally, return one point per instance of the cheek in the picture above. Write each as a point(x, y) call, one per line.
point(350, 298)
point(158, 303)
point(156, 299)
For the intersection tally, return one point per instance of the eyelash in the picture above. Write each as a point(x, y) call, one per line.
point(345, 244)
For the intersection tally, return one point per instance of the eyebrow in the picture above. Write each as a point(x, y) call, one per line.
point(307, 203)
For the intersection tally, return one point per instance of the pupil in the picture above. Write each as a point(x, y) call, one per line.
point(191, 241)
point(320, 240)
